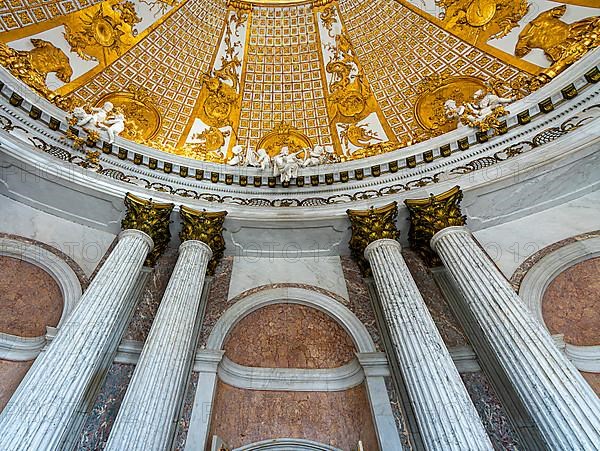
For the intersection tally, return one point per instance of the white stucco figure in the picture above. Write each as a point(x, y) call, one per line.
point(485, 103)
point(286, 165)
point(97, 116)
point(454, 111)
point(114, 125)
point(263, 160)
point(238, 155)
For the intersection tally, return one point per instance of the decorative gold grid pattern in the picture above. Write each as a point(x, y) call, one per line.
point(283, 80)
point(169, 63)
point(398, 48)
point(21, 13)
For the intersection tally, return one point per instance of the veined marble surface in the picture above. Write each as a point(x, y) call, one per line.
point(511, 243)
point(86, 246)
point(323, 272)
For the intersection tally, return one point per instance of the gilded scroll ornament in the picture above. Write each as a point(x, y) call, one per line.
point(152, 218)
point(478, 21)
point(562, 43)
point(430, 215)
point(104, 32)
point(33, 66)
point(142, 117)
point(350, 98)
point(369, 226)
point(219, 95)
point(205, 226)
point(207, 145)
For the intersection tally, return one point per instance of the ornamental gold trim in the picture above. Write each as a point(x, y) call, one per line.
point(562, 43)
point(205, 226)
point(152, 218)
point(369, 226)
point(430, 215)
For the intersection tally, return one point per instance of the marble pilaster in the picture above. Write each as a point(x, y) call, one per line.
point(48, 404)
point(146, 419)
point(564, 408)
point(445, 414)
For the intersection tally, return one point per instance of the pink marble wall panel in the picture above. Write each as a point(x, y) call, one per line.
point(571, 304)
point(30, 299)
point(289, 336)
point(11, 375)
point(339, 419)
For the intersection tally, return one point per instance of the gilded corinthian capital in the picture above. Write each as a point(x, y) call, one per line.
point(371, 225)
point(152, 218)
point(205, 226)
point(430, 215)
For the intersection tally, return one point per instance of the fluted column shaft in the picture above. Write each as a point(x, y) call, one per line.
point(446, 416)
point(44, 408)
point(565, 409)
point(147, 418)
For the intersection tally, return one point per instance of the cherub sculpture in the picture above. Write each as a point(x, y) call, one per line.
point(317, 156)
point(93, 119)
point(113, 125)
point(263, 160)
point(487, 102)
point(238, 155)
point(286, 164)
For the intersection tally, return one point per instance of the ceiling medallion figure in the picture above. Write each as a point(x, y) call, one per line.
point(562, 43)
point(33, 66)
point(142, 117)
point(435, 91)
point(103, 32)
point(284, 135)
point(478, 21)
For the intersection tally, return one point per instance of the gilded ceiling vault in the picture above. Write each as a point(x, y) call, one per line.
point(213, 79)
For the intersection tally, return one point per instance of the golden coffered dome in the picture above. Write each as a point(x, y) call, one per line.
point(353, 77)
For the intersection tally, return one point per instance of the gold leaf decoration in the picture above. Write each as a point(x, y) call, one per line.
point(369, 226)
point(205, 226)
point(33, 66)
point(478, 21)
point(430, 215)
point(104, 32)
point(562, 43)
point(142, 116)
point(152, 218)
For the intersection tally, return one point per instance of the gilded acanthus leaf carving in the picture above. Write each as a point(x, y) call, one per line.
point(562, 43)
point(205, 226)
point(152, 218)
point(371, 225)
point(430, 215)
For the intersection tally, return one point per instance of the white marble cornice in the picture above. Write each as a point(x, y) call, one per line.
point(291, 379)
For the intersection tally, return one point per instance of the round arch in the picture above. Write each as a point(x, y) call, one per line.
point(13, 347)
point(291, 295)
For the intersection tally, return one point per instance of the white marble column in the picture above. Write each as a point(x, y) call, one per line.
point(47, 404)
point(147, 418)
point(564, 407)
point(446, 416)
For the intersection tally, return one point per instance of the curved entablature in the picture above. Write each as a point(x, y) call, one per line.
point(425, 164)
point(289, 86)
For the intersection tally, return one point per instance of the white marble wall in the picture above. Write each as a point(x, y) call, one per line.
point(322, 272)
point(86, 246)
point(511, 243)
